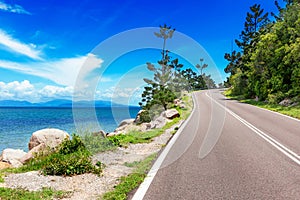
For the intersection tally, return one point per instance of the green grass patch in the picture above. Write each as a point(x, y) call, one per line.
point(293, 111)
point(131, 181)
point(21, 194)
point(135, 137)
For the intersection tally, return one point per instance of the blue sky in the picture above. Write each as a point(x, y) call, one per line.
point(52, 49)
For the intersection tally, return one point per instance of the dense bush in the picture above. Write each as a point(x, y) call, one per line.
point(70, 158)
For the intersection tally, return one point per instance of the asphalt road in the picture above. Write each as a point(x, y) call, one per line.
point(230, 150)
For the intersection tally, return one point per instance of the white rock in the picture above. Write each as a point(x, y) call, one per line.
point(33, 152)
point(159, 122)
point(171, 113)
point(13, 156)
point(50, 137)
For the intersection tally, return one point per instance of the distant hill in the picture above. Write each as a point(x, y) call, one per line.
point(59, 103)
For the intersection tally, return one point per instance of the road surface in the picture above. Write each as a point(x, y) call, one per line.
point(229, 150)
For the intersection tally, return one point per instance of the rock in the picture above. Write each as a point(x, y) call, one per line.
point(16, 163)
point(159, 122)
point(126, 122)
point(4, 165)
point(50, 137)
point(137, 119)
point(286, 102)
point(35, 150)
point(100, 133)
point(171, 114)
point(144, 127)
point(13, 156)
point(113, 134)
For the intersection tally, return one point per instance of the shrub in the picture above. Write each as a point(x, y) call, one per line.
point(96, 143)
point(70, 158)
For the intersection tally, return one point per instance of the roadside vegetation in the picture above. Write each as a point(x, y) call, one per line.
point(45, 194)
point(266, 65)
point(70, 158)
point(131, 181)
point(292, 111)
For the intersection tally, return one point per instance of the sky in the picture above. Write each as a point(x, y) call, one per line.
point(93, 49)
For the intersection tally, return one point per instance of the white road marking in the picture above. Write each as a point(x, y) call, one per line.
point(286, 151)
point(140, 193)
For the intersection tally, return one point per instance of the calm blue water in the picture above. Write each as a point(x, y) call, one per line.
point(17, 124)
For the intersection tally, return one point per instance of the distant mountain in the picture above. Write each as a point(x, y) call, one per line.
point(59, 103)
point(11, 103)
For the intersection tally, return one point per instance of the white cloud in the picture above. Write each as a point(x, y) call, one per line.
point(13, 8)
point(17, 90)
point(65, 71)
point(14, 45)
point(55, 92)
point(28, 92)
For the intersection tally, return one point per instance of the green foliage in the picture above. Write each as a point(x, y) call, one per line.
point(69, 159)
point(131, 181)
point(96, 143)
point(170, 80)
point(268, 67)
point(21, 194)
point(293, 111)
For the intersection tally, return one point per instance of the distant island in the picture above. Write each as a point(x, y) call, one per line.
point(61, 103)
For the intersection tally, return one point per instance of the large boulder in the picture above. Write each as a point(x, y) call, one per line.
point(13, 156)
point(159, 122)
point(51, 137)
point(171, 113)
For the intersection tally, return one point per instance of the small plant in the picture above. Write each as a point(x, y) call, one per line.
point(46, 193)
point(70, 158)
point(96, 143)
point(131, 181)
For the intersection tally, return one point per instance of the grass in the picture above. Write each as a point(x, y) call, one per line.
point(293, 111)
point(131, 181)
point(21, 194)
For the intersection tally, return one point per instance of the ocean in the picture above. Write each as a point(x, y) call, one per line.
point(18, 124)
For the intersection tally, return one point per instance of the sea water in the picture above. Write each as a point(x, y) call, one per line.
point(18, 124)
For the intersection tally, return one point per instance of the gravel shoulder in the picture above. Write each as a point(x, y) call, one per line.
point(91, 186)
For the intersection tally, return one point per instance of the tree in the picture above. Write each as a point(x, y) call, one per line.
point(165, 33)
point(268, 66)
point(201, 66)
point(159, 90)
point(256, 24)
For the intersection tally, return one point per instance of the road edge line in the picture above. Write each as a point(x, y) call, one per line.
point(283, 149)
point(143, 188)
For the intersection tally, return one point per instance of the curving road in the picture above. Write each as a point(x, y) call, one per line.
point(228, 150)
